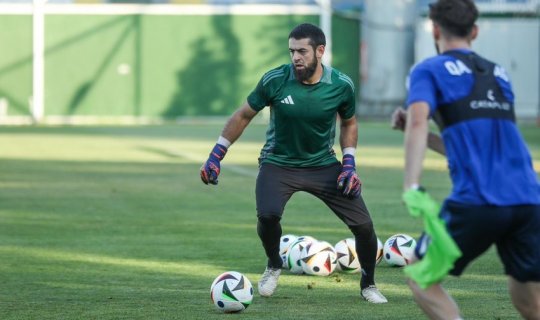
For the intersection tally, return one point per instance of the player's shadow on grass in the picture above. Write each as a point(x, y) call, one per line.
point(85, 88)
point(216, 60)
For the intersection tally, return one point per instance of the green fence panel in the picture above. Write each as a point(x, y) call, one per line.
point(155, 66)
point(16, 62)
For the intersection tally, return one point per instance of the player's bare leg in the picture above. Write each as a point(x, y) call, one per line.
point(435, 302)
point(526, 298)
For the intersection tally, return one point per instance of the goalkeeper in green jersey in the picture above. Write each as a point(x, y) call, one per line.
point(305, 99)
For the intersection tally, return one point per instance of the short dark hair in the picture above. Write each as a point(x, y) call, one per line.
point(309, 31)
point(456, 17)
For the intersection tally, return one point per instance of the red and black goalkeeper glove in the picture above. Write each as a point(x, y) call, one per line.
point(210, 169)
point(348, 181)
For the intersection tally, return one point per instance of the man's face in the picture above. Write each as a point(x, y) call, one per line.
point(303, 57)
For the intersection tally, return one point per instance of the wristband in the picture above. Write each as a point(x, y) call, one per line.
point(349, 150)
point(224, 142)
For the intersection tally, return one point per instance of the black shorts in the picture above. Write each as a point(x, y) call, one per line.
point(276, 185)
point(515, 230)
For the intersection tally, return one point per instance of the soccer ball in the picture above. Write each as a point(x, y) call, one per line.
point(295, 254)
point(399, 250)
point(231, 292)
point(306, 238)
point(347, 259)
point(380, 247)
point(318, 258)
point(284, 244)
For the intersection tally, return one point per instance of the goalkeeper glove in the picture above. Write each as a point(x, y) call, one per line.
point(210, 169)
point(348, 181)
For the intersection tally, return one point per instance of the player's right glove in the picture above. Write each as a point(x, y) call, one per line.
point(210, 169)
point(348, 181)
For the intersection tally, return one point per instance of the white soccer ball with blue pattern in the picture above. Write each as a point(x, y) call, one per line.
point(231, 292)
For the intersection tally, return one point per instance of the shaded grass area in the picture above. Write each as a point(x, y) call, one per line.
point(114, 223)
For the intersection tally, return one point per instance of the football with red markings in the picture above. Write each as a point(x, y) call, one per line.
point(318, 258)
point(399, 250)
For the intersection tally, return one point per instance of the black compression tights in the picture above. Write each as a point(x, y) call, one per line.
point(269, 230)
point(366, 248)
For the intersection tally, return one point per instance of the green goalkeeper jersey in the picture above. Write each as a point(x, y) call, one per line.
point(302, 126)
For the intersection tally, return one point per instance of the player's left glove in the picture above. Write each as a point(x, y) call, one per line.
point(348, 181)
point(211, 168)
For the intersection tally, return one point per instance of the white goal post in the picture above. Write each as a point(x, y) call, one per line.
point(38, 57)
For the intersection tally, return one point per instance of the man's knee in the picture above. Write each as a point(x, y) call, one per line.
point(530, 309)
point(362, 229)
point(269, 219)
point(526, 298)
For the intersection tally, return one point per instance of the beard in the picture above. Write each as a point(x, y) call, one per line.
point(307, 72)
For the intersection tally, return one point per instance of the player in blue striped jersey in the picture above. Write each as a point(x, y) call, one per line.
point(495, 197)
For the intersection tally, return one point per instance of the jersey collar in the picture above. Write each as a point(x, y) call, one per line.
point(326, 76)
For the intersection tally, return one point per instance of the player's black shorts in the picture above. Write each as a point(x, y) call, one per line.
point(515, 231)
point(276, 185)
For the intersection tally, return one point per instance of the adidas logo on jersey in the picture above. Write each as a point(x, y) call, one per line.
point(288, 100)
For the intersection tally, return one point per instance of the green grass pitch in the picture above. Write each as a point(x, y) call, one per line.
point(104, 222)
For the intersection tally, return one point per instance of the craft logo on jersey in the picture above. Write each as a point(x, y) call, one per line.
point(287, 100)
point(490, 103)
point(490, 95)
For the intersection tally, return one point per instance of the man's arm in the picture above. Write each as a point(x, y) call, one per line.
point(434, 141)
point(348, 181)
point(231, 132)
point(348, 137)
point(416, 132)
point(238, 122)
